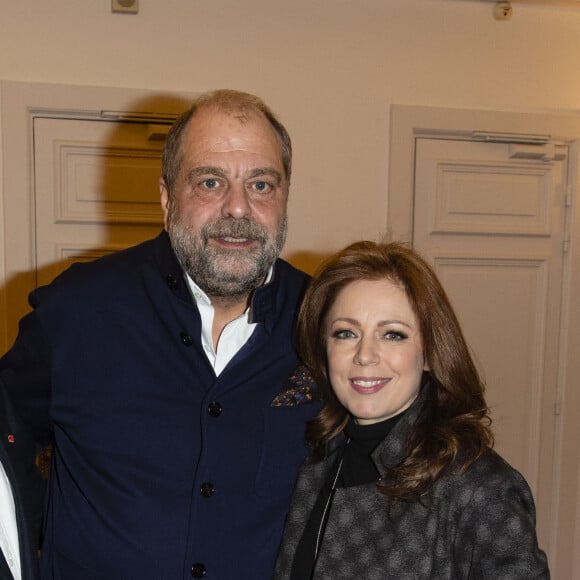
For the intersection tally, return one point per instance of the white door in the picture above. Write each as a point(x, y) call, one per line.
point(96, 188)
point(95, 191)
point(490, 218)
point(76, 160)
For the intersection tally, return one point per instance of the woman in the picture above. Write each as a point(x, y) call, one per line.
point(402, 481)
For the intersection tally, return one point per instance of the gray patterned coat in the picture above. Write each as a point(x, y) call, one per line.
point(478, 525)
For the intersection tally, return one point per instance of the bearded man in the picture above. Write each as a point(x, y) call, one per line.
point(166, 374)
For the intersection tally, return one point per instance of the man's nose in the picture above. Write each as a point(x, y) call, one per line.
point(236, 203)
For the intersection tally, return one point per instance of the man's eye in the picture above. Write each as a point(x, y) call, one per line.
point(210, 183)
point(261, 186)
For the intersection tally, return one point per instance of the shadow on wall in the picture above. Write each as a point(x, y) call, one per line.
point(308, 262)
point(104, 190)
point(112, 205)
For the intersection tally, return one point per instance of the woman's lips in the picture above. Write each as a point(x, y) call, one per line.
point(368, 385)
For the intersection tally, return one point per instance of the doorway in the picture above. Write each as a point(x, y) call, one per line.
point(81, 169)
point(487, 197)
point(95, 187)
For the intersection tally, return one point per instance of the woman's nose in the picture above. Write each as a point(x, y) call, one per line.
point(367, 353)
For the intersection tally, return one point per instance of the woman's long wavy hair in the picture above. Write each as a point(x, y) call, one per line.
point(453, 426)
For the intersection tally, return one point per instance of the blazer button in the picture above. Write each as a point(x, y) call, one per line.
point(207, 489)
point(171, 282)
point(198, 570)
point(186, 339)
point(214, 409)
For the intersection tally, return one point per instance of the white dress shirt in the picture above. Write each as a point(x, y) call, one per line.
point(234, 335)
point(8, 528)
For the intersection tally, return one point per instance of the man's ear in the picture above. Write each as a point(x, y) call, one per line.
point(165, 200)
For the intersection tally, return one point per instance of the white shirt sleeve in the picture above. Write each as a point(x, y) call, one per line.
point(8, 528)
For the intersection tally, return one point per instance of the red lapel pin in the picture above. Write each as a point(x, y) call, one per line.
point(10, 438)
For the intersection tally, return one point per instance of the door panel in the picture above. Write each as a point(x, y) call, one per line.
point(491, 223)
point(96, 188)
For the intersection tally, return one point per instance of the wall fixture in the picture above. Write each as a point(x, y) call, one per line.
point(502, 10)
point(126, 6)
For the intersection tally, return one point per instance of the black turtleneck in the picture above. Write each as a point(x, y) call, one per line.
point(357, 469)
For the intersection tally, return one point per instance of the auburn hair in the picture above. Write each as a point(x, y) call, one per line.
point(454, 424)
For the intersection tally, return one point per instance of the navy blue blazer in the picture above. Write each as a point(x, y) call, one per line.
point(17, 453)
point(161, 470)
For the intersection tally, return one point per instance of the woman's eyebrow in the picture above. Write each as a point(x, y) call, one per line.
point(394, 321)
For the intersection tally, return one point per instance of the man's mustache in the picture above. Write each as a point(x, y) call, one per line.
point(242, 228)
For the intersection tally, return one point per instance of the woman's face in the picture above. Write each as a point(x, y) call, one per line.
point(374, 350)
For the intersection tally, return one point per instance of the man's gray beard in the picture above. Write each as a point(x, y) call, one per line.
point(220, 272)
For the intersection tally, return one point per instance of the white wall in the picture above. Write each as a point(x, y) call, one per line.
point(330, 69)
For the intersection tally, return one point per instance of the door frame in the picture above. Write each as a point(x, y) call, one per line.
point(408, 122)
point(20, 103)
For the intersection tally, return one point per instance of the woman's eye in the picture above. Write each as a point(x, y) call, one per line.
point(395, 335)
point(345, 333)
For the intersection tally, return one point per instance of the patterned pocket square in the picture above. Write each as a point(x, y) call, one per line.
point(300, 388)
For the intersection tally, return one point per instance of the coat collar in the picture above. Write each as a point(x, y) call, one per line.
point(170, 268)
point(393, 448)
